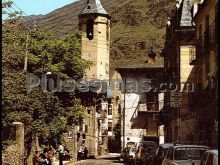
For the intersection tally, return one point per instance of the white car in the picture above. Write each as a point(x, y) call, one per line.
point(184, 155)
point(210, 157)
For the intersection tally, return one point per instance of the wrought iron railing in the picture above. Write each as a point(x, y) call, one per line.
point(192, 54)
point(148, 107)
point(208, 41)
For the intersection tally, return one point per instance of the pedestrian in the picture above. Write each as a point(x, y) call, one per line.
point(61, 152)
point(43, 157)
point(80, 153)
point(85, 152)
point(50, 156)
point(37, 158)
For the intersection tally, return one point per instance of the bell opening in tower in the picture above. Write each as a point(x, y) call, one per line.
point(89, 29)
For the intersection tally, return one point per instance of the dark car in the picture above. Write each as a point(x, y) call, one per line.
point(124, 153)
point(149, 156)
point(160, 153)
point(143, 151)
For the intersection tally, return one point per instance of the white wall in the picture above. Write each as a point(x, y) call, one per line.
point(131, 103)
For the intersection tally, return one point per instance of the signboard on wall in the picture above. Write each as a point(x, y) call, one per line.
point(176, 99)
point(70, 134)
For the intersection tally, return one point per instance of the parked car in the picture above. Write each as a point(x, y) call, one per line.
point(129, 156)
point(210, 157)
point(161, 153)
point(124, 153)
point(142, 151)
point(184, 155)
point(149, 156)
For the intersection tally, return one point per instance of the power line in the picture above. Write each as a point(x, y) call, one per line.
point(34, 25)
point(21, 12)
point(77, 11)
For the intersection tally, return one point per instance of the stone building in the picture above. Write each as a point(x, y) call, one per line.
point(190, 58)
point(142, 102)
point(179, 121)
point(204, 100)
point(94, 23)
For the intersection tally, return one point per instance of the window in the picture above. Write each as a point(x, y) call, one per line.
point(83, 136)
point(89, 29)
point(110, 109)
point(80, 128)
point(109, 126)
point(185, 153)
point(89, 121)
point(86, 128)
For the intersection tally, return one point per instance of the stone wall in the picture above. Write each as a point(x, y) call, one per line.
point(11, 155)
point(14, 153)
point(71, 144)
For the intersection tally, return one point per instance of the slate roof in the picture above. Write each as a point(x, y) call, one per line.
point(186, 17)
point(94, 7)
point(158, 64)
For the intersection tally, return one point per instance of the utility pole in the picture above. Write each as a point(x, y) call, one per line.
point(26, 52)
point(26, 46)
point(124, 115)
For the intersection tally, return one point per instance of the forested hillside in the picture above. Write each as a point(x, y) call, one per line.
point(135, 26)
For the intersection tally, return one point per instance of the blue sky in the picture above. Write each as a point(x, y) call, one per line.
point(36, 7)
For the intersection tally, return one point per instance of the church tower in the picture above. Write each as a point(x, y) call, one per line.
point(94, 22)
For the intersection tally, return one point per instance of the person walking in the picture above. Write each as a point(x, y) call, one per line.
point(61, 152)
point(37, 159)
point(50, 156)
point(85, 152)
point(80, 153)
point(43, 157)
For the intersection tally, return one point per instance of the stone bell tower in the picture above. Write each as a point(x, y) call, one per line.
point(94, 22)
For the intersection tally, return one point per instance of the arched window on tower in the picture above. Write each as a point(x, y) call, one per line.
point(89, 29)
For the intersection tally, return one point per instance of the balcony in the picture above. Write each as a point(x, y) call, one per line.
point(147, 109)
point(208, 41)
point(102, 114)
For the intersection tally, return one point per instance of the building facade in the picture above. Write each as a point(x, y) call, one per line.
point(204, 99)
point(190, 57)
point(142, 102)
point(97, 126)
point(178, 119)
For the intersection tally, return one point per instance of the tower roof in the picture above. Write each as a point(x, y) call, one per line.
point(94, 7)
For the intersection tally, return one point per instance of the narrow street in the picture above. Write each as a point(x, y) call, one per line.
point(108, 160)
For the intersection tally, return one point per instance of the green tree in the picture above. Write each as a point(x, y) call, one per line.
point(42, 113)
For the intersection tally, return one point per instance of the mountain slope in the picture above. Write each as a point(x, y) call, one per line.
point(135, 26)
